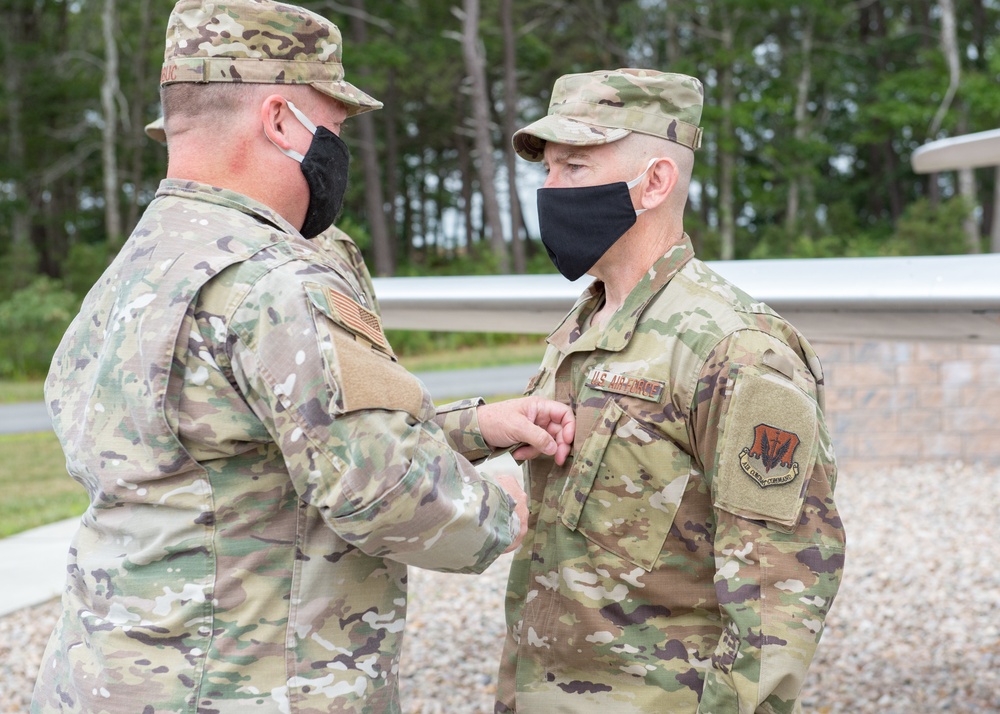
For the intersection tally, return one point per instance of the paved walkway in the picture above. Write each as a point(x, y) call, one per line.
point(24, 418)
point(33, 564)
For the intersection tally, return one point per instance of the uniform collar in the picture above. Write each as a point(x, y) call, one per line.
point(227, 198)
point(573, 334)
point(335, 242)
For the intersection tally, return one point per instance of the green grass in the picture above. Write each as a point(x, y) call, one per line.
point(15, 392)
point(470, 357)
point(36, 488)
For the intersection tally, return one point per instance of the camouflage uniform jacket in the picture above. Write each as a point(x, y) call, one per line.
point(261, 471)
point(339, 247)
point(685, 559)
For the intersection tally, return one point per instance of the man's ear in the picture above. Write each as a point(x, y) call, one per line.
point(275, 116)
point(661, 179)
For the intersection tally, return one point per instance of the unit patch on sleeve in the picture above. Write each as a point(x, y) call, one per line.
point(769, 460)
point(649, 389)
point(767, 449)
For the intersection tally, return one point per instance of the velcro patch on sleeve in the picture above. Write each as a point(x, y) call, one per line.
point(768, 449)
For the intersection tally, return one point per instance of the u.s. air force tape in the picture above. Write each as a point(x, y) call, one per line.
point(649, 389)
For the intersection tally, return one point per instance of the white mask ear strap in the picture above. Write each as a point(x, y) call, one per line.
point(635, 182)
point(303, 118)
point(310, 127)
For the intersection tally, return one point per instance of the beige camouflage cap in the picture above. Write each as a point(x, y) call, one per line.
point(154, 130)
point(608, 105)
point(258, 41)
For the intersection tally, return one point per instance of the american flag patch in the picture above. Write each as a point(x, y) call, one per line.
point(363, 322)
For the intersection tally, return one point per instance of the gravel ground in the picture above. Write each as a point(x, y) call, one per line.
point(916, 627)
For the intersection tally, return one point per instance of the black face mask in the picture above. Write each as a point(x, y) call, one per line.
point(325, 167)
point(579, 225)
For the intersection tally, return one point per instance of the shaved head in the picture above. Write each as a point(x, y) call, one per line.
point(638, 149)
point(212, 109)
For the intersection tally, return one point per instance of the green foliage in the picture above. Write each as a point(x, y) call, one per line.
point(36, 488)
point(476, 260)
point(357, 231)
point(84, 264)
point(927, 229)
point(32, 321)
point(17, 269)
point(465, 348)
point(539, 262)
point(923, 229)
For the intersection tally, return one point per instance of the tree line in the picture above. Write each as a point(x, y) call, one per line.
point(812, 112)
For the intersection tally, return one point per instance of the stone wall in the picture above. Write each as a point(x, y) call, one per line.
point(900, 403)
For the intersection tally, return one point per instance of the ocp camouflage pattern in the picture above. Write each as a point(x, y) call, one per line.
point(257, 41)
point(341, 248)
point(605, 106)
point(658, 573)
point(255, 501)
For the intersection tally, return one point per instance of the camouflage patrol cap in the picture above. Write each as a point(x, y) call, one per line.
point(608, 105)
point(154, 130)
point(258, 41)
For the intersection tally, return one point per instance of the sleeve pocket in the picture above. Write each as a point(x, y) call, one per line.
point(625, 487)
point(771, 443)
point(360, 360)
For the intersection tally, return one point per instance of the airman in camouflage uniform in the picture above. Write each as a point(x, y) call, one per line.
point(261, 469)
point(685, 558)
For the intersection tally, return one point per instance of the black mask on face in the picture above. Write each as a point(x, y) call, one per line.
point(579, 225)
point(325, 167)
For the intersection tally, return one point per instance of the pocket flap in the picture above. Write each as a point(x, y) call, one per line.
point(350, 315)
point(625, 487)
point(586, 463)
point(360, 360)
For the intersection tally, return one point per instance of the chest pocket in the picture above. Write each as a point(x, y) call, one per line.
point(625, 487)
